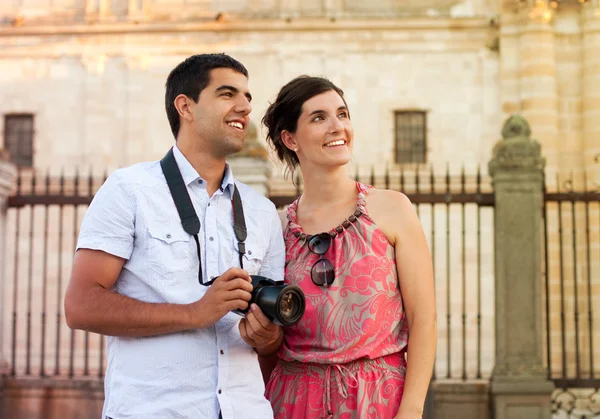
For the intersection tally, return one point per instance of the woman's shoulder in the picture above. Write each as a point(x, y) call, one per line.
point(388, 200)
point(391, 211)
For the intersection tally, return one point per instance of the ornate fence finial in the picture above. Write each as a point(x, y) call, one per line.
point(516, 126)
point(516, 151)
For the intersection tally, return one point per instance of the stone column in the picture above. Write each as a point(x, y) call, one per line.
point(519, 386)
point(7, 182)
point(591, 91)
point(567, 24)
point(251, 165)
point(539, 92)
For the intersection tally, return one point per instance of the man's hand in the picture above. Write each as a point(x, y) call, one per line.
point(260, 332)
point(230, 291)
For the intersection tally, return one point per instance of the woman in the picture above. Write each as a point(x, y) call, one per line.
point(361, 258)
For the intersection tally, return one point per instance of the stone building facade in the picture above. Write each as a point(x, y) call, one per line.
point(82, 85)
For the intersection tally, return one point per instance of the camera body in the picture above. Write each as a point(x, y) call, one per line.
point(283, 304)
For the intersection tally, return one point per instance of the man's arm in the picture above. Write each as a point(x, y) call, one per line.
point(92, 305)
point(105, 242)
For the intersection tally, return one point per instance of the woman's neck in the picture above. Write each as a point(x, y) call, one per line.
point(326, 187)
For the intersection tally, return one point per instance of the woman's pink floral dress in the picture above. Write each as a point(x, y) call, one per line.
point(346, 358)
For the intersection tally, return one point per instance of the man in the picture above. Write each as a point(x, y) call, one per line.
point(174, 348)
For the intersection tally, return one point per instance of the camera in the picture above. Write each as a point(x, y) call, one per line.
point(283, 304)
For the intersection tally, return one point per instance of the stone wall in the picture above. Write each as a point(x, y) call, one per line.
point(98, 97)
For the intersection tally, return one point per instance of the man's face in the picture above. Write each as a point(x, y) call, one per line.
point(221, 114)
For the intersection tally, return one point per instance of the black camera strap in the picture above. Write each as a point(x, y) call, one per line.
point(188, 216)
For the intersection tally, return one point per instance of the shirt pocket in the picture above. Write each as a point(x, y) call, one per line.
point(253, 258)
point(168, 252)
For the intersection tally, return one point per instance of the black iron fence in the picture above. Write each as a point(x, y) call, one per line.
point(572, 296)
point(44, 217)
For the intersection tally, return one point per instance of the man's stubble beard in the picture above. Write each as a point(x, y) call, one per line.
point(229, 146)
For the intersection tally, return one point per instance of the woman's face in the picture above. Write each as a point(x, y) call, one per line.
point(324, 133)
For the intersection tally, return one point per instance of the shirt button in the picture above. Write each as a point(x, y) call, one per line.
point(249, 252)
point(209, 204)
point(200, 181)
point(210, 238)
point(168, 236)
point(220, 391)
point(222, 353)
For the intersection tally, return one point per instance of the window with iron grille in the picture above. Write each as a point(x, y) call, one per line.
point(411, 136)
point(18, 138)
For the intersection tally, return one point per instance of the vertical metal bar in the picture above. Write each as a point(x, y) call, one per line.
point(432, 191)
point(387, 177)
point(372, 181)
point(59, 274)
point(30, 281)
point(45, 280)
point(547, 280)
point(72, 346)
point(479, 273)
point(418, 189)
point(101, 360)
point(575, 286)
point(464, 275)
point(562, 287)
point(448, 297)
point(402, 185)
point(13, 371)
point(589, 281)
point(86, 370)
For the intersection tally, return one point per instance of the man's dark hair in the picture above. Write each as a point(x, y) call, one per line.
point(190, 77)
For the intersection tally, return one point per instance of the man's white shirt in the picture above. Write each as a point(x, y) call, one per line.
point(196, 373)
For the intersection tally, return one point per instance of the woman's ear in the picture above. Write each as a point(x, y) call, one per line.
point(183, 106)
point(289, 140)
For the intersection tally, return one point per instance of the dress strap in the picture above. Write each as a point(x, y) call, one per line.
point(292, 224)
point(361, 201)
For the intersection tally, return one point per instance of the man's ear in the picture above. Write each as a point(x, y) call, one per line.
point(184, 107)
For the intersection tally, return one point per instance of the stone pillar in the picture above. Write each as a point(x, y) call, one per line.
point(7, 182)
point(510, 61)
point(251, 165)
point(591, 91)
point(460, 400)
point(539, 92)
point(567, 26)
point(519, 385)
point(528, 72)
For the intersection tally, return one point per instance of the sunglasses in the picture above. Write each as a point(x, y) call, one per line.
point(322, 272)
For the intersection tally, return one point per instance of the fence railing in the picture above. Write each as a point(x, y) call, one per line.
point(44, 215)
point(572, 304)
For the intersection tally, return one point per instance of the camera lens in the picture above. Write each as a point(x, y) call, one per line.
point(283, 304)
point(289, 305)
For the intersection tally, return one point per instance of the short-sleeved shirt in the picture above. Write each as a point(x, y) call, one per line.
point(196, 373)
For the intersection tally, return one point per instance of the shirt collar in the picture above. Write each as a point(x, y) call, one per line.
point(189, 174)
